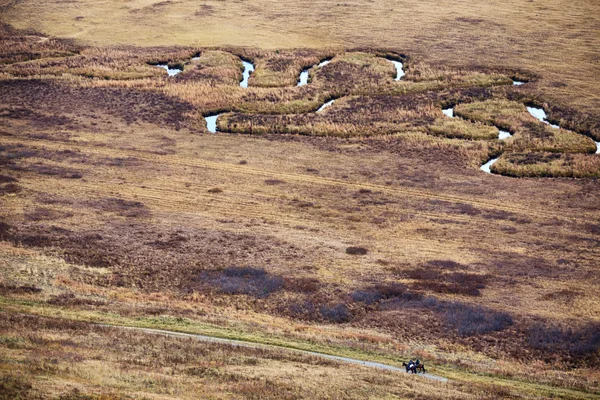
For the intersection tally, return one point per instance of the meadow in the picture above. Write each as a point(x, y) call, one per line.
point(366, 230)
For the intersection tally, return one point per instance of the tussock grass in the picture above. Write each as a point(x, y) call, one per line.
point(544, 164)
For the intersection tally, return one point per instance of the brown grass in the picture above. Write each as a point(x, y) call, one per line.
point(116, 202)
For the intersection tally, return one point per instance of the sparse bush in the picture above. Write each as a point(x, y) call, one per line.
point(379, 292)
point(215, 190)
point(471, 320)
point(5, 289)
point(69, 299)
point(583, 342)
point(366, 296)
point(245, 280)
point(337, 313)
point(14, 387)
point(273, 182)
point(444, 264)
point(304, 285)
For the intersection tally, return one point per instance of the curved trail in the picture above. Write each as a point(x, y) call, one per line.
point(241, 343)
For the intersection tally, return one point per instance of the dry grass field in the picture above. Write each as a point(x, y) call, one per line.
point(366, 230)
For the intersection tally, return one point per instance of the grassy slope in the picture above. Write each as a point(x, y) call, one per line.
point(293, 205)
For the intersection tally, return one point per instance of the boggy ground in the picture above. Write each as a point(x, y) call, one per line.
point(118, 206)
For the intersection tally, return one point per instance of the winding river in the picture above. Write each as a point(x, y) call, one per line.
point(486, 167)
point(324, 106)
point(502, 135)
point(303, 79)
point(540, 114)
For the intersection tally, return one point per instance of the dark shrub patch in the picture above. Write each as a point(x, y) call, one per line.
point(379, 292)
point(273, 182)
point(215, 190)
point(5, 289)
point(4, 230)
point(423, 274)
point(453, 282)
point(7, 179)
point(583, 342)
point(366, 296)
point(304, 285)
point(244, 280)
point(14, 387)
point(46, 214)
point(338, 313)
point(471, 320)
point(356, 251)
point(69, 299)
point(408, 299)
point(444, 264)
point(465, 208)
point(124, 208)
point(9, 188)
point(305, 309)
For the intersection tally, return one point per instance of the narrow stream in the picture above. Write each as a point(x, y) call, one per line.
point(211, 123)
point(324, 106)
point(303, 78)
point(170, 71)
point(486, 167)
point(399, 70)
point(503, 135)
point(248, 69)
point(540, 114)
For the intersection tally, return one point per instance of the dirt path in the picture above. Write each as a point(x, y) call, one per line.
point(241, 343)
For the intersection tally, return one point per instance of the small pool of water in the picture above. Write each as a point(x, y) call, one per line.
point(597, 147)
point(518, 83)
point(540, 114)
point(399, 70)
point(170, 71)
point(248, 69)
point(449, 112)
point(303, 78)
point(486, 167)
point(324, 63)
point(211, 123)
point(503, 135)
point(324, 106)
